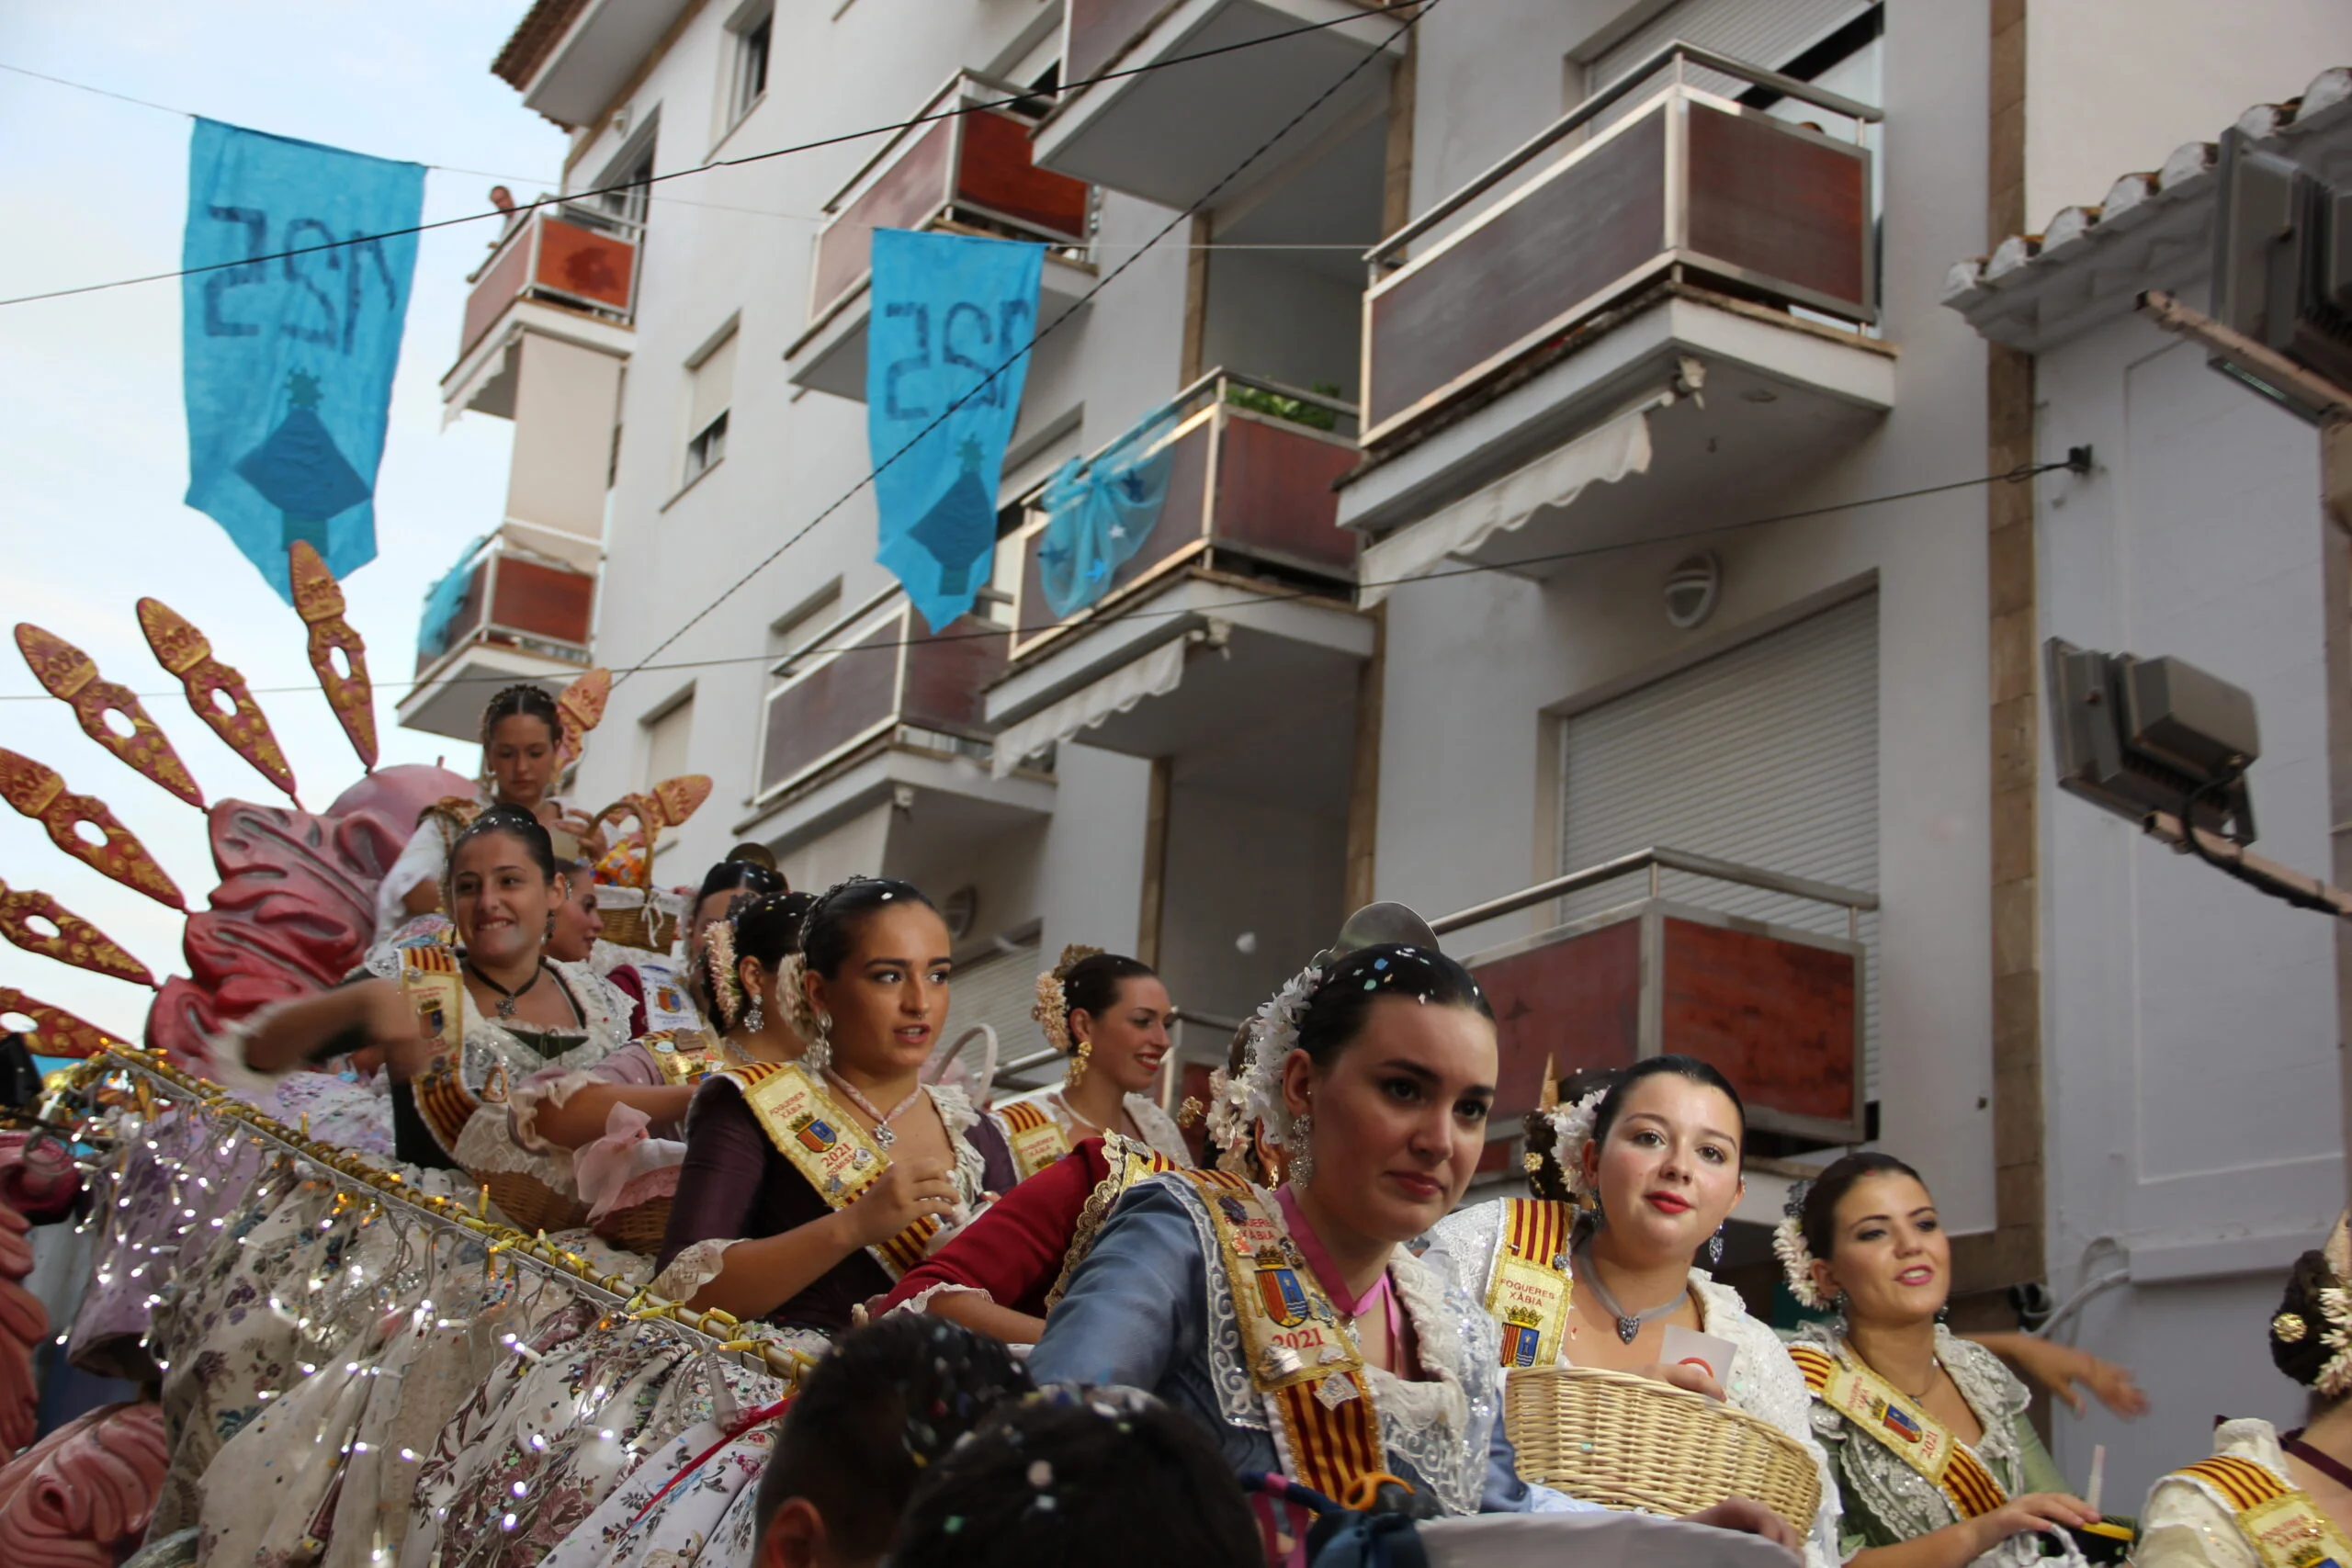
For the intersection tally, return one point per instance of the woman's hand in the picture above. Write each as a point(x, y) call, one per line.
point(903, 1194)
point(2052, 1511)
point(1749, 1518)
point(392, 1026)
point(2058, 1368)
point(1682, 1374)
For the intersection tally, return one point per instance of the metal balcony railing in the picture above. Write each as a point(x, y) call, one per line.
point(1656, 177)
point(571, 254)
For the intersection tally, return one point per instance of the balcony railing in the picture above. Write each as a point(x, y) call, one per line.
point(877, 676)
point(1249, 488)
point(569, 254)
point(1666, 180)
point(516, 600)
point(970, 173)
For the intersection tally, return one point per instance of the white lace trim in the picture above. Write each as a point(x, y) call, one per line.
point(921, 1301)
point(1158, 1128)
point(526, 1100)
point(1434, 1423)
point(957, 1115)
point(1767, 1385)
point(694, 1267)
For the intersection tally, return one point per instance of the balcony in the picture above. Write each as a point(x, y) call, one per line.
point(520, 615)
point(1171, 136)
point(568, 272)
point(1664, 254)
point(1760, 974)
point(1249, 509)
point(969, 173)
point(878, 710)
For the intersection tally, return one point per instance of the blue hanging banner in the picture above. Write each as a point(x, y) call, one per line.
point(1099, 514)
point(948, 308)
point(288, 362)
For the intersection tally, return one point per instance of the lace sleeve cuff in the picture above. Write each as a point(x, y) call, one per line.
point(693, 1269)
point(921, 1301)
point(525, 1103)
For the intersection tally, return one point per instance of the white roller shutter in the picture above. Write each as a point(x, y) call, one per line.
point(998, 989)
point(1767, 754)
point(1769, 33)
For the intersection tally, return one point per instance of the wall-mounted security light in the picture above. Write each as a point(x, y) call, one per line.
point(2142, 735)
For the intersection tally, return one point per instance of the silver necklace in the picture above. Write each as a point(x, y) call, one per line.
point(882, 1133)
point(1629, 1325)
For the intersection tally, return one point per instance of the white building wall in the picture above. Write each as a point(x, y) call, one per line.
point(2189, 1038)
point(1474, 663)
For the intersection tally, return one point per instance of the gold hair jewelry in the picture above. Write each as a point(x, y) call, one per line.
point(1052, 1009)
point(2289, 1329)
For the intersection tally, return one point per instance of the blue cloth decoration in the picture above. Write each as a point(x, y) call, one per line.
point(948, 308)
point(1098, 515)
point(288, 363)
point(443, 601)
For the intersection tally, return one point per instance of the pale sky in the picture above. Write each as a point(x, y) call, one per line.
point(91, 437)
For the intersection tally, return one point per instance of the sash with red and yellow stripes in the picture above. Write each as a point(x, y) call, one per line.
point(1903, 1426)
point(1130, 1160)
point(831, 1151)
point(1528, 1293)
point(1327, 1432)
point(1036, 1138)
point(2284, 1526)
point(435, 986)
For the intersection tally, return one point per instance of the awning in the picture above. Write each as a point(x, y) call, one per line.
point(1154, 674)
point(1601, 456)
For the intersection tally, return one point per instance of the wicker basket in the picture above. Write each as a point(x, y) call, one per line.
point(531, 1204)
point(641, 1212)
point(1627, 1441)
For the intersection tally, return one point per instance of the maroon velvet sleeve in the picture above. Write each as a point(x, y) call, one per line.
point(630, 984)
point(718, 1185)
point(1014, 1251)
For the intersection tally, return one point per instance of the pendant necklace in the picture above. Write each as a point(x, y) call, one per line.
point(882, 1133)
point(1629, 1325)
point(507, 998)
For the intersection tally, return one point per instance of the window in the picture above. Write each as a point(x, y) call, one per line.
point(751, 78)
point(799, 629)
point(667, 734)
point(712, 377)
point(623, 192)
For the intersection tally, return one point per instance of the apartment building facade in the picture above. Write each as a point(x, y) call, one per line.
point(1574, 455)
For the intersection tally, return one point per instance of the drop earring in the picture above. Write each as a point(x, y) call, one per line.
point(1716, 1248)
point(820, 1055)
point(1299, 1159)
point(756, 1020)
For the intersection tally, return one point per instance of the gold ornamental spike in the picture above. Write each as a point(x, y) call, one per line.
point(681, 797)
point(57, 1032)
point(71, 677)
point(1550, 1099)
point(71, 939)
point(318, 599)
point(580, 709)
point(40, 795)
point(185, 652)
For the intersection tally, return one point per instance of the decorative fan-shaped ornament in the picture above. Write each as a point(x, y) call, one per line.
point(71, 677)
point(318, 599)
point(75, 940)
point(681, 797)
point(185, 652)
point(57, 1032)
point(36, 791)
point(579, 709)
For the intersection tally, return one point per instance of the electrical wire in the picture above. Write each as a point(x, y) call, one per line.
point(1413, 16)
point(629, 187)
point(1466, 569)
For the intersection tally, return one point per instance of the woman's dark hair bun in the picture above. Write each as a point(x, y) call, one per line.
point(1342, 1000)
point(2299, 1345)
point(525, 700)
point(1091, 987)
point(1817, 1215)
point(748, 876)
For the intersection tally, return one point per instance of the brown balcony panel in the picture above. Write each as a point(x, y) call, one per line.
point(995, 173)
point(847, 696)
point(1776, 1016)
point(1780, 207)
point(509, 273)
point(542, 602)
point(905, 195)
point(1521, 271)
point(1275, 495)
point(584, 262)
point(945, 675)
point(1099, 31)
point(1180, 524)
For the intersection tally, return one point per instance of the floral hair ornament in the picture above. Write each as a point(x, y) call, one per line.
point(718, 959)
point(1796, 1258)
point(2335, 1379)
point(1572, 1126)
point(1052, 1009)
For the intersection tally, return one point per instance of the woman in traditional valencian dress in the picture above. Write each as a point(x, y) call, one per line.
point(2267, 1498)
point(1937, 1463)
point(1294, 1324)
point(1658, 1151)
point(811, 1186)
point(461, 1027)
point(520, 733)
point(1111, 1016)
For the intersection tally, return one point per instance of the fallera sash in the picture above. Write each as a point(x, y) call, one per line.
point(1036, 1138)
point(434, 985)
point(1301, 1362)
point(1130, 1161)
point(829, 1149)
point(683, 1057)
point(1527, 1294)
point(2286, 1529)
point(1903, 1428)
point(667, 1007)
